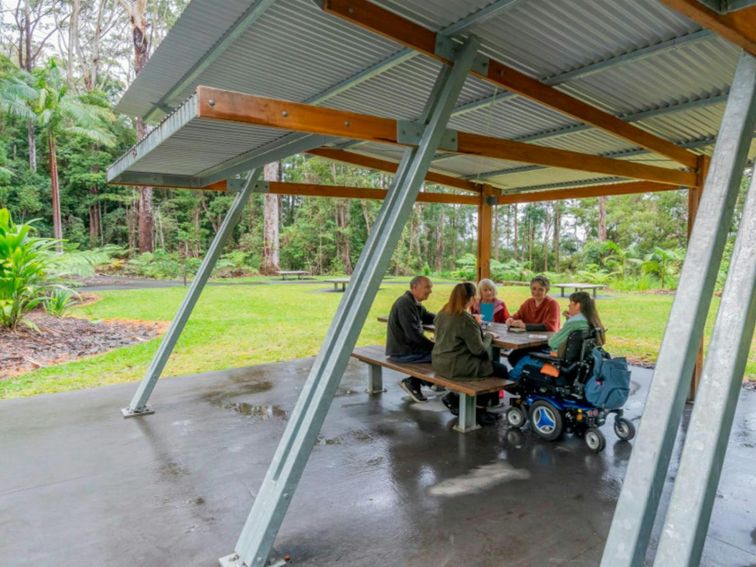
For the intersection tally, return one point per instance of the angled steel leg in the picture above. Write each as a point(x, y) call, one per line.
point(138, 405)
point(685, 528)
point(259, 533)
point(644, 480)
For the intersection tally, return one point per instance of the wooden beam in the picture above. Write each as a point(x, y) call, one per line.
point(313, 190)
point(475, 144)
point(218, 104)
point(414, 36)
point(739, 27)
point(485, 230)
point(694, 200)
point(585, 192)
point(391, 167)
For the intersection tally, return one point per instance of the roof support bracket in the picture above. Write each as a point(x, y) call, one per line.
point(409, 133)
point(447, 48)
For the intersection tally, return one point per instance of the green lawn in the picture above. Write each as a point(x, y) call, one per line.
point(241, 325)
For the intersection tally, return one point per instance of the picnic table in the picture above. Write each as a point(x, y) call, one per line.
point(503, 337)
point(298, 273)
point(580, 286)
point(339, 282)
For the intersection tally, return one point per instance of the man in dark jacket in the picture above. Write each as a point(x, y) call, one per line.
point(405, 339)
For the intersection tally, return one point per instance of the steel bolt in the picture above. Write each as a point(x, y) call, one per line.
point(346, 123)
point(350, 10)
point(211, 102)
point(285, 113)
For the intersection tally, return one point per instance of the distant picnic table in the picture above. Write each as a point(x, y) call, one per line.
point(339, 282)
point(580, 286)
point(298, 273)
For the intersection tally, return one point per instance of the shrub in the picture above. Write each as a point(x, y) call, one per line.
point(59, 301)
point(24, 270)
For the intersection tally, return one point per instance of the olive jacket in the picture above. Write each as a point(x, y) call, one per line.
point(461, 349)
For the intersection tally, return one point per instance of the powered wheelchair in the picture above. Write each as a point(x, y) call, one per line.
point(552, 396)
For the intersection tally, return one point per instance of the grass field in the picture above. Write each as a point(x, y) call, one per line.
point(242, 325)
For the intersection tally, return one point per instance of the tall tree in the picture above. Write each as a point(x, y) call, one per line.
point(602, 219)
point(31, 18)
point(137, 14)
point(58, 111)
point(271, 246)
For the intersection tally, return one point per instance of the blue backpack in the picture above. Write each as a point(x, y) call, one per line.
point(609, 385)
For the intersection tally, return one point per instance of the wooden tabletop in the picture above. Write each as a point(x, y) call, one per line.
point(503, 338)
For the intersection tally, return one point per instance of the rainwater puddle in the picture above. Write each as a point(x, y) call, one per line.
point(252, 410)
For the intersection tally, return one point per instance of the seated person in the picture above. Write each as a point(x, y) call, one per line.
point(537, 313)
point(405, 336)
point(487, 290)
point(462, 348)
point(581, 315)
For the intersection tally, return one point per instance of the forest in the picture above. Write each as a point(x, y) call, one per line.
point(64, 64)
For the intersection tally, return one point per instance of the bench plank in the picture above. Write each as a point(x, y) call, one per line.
point(474, 387)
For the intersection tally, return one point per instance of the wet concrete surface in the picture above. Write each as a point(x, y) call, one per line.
point(388, 483)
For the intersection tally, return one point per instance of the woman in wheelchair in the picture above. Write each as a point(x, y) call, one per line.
point(581, 315)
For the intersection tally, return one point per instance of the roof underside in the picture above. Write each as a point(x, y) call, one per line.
point(632, 58)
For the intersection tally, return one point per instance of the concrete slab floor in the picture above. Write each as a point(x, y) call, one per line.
point(389, 483)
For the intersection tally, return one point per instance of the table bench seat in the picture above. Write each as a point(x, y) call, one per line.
point(468, 390)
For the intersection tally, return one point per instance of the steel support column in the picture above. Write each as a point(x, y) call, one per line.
point(687, 521)
point(638, 502)
point(138, 405)
point(270, 505)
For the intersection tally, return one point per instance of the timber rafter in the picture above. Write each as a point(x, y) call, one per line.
point(405, 32)
point(216, 104)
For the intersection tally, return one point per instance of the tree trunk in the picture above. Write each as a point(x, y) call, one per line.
point(439, 264)
point(136, 11)
point(343, 244)
point(95, 215)
point(57, 222)
point(270, 260)
point(602, 219)
point(30, 136)
point(514, 241)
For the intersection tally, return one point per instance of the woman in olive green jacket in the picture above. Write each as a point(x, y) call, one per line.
point(462, 348)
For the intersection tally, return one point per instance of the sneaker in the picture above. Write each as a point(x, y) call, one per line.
point(411, 387)
point(451, 401)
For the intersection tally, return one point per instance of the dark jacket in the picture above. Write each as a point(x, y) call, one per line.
point(405, 327)
point(461, 349)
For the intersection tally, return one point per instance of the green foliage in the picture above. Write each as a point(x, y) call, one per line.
point(84, 263)
point(24, 265)
point(663, 264)
point(59, 301)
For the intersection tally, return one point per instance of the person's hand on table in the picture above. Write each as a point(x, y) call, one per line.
point(517, 323)
point(478, 318)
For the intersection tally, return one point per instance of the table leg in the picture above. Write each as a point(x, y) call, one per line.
point(562, 289)
point(466, 421)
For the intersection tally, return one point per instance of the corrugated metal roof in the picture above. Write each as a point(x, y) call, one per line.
point(292, 50)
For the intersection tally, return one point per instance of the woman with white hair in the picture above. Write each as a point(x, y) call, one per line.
point(487, 291)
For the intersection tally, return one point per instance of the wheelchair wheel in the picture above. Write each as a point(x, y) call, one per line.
point(595, 439)
point(624, 428)
point(546, 420)
point(515, 417)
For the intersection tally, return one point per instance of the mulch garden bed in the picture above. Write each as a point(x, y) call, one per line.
point(65, 339)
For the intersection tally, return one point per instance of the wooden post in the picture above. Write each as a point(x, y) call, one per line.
point(485, 225)
point(694, 199)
